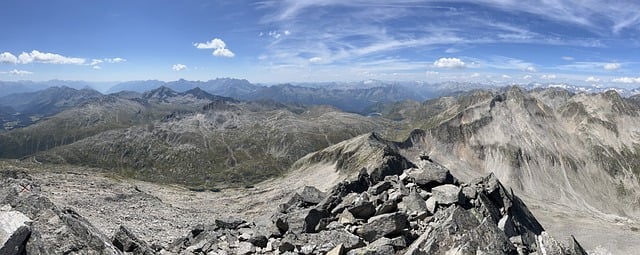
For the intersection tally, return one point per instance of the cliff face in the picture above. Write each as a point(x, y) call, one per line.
point(579, 149)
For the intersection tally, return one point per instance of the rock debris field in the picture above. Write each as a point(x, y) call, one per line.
point(424, 210)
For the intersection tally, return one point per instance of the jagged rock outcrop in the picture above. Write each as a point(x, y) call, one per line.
point(46, 228)
point(15, 229)
point(420, 210)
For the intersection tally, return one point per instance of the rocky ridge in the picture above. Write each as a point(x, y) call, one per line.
point(419, 210)
point(423, 210)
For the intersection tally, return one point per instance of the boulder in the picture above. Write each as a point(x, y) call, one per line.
point(447, 194)
point(14, 232)
point(383, 225)
point(429, 175)
point(363, 210)
point(325, 240)
point(311, 195)
point(379, 187)
point(414, 204)
point(229, 223)
point(457, 231)
point(126, 241)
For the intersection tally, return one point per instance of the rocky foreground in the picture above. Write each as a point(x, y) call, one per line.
point(421, 210)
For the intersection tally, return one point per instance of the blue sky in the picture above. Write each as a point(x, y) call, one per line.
point(492, 41)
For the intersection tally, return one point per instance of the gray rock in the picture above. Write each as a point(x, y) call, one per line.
point(229, 223)
point(346, 218)
point(245, 248)
point(447, 194)
point(14, 231)
point(311, 195)
point(64, 231)
point(338, 250)
point(506, 225)
point(383, 225)
point(326, 240)
point(388, 206)
point(126, 241)
point(372, 250)
point(469, 192)
point(380, 187)
point(259, 240)
point(313, 218)
point(432, 205)
point(414, 204)
point(302, 221)
point(458, 230)
point(429, 175)
point(575, 248)
point(363, 210)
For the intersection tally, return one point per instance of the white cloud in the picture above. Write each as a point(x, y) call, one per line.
point(96, 67)
point(567, 58)
point(474, 75)
point(115, 60)
point(95, 62)
point(223, 52)
point(526, 77)
point(452, 50)
point(286, 32)
point(611, 66)
point(315, 59)
point(449, 63)
point(548, 76)
point(504, 76)
point(219, 46)
point(48, 58)
point(19, 72)
point(213, 44)
point(592, 79)
point(179, 67)
point(531, 69)
point(274, 34)
point(627, 80)
point(8, 58)
point(432, 73)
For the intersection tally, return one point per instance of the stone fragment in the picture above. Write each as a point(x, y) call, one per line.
point(447, 194)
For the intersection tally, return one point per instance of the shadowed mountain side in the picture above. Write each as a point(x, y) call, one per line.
point(575, 149)
point(230, 142)
point(98, 115)
point(32, 106)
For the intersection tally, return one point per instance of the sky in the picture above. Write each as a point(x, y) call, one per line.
point(588, 42)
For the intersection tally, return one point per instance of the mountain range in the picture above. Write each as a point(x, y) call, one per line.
point(562, 150)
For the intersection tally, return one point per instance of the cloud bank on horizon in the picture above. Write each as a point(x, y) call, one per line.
point(504, 41)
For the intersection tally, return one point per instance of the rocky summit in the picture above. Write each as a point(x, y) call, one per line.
point(424, 210)
point(419, 210)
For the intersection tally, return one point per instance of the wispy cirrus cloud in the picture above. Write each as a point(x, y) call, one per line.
point(17, 72)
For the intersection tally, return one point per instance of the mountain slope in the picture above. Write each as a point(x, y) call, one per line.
point(101, 114)
point(579, 149)
point(32, 106)
point(228, 141)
